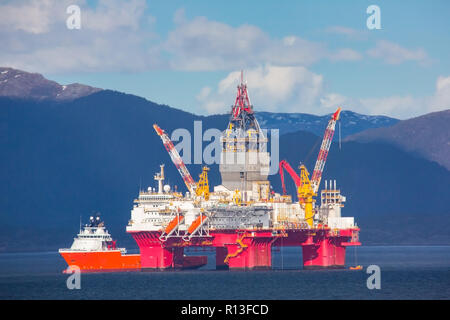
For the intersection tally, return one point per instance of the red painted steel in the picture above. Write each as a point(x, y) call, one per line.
point(108, 260)
point(285, 165)
point(250, 249)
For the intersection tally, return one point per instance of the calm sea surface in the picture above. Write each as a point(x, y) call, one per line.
point(406, 273)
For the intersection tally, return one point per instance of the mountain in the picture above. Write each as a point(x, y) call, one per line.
point(33, 86)
point(25, 85)
point(350, 122)
point(66, 159)
point(427, 135)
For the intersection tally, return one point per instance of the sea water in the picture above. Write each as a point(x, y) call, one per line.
point(406, 272)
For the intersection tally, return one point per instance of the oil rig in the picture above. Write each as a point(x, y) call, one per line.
point(242, 219)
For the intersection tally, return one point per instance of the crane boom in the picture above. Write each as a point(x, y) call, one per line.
point(285, 165)
point(323, 153)
point(176, 159)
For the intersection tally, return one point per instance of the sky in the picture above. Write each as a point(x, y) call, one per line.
point(297, 56)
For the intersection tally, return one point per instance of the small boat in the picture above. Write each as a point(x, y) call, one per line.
point(356, 268)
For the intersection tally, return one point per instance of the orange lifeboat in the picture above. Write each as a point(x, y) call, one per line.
point(172, 224)
point(356, 268)
point(197, 222)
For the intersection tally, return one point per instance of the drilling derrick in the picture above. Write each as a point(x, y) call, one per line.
point(244, 161)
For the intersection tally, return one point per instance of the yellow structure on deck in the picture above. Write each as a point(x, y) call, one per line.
point(203, 184)
point(237, 197)
point(306, 194)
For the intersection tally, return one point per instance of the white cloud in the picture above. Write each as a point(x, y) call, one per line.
point(347, 32)
point(396, 106)
point(180, 16)
point(109, 15)
point(296, 89)
point(441, 98)
point(401, 107)
point(113, 37)
point(271, 88)
point(38, 17)
point(33, 17)
point(332, 100)
point(204, 93)
point(345, 55)
point(37, 39)
point(408, 106)
point(393, 53)
point(204, 45)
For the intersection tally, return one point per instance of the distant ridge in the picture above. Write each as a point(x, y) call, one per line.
point(350, 122)
point(24, 85)
point(70, 158)
point(427, 135)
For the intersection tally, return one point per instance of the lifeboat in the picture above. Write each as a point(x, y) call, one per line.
point(356, 268)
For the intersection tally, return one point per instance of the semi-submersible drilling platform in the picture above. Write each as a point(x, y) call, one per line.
point(243, 219)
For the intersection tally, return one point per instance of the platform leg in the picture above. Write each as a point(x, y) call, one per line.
point(158, 257)
point(257, 255)
point(324, 253)
point(221, 254)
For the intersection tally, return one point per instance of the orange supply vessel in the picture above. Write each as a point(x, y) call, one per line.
point(94, 250)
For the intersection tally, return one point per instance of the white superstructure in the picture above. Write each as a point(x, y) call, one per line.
point(93, 237)
point(154, 210)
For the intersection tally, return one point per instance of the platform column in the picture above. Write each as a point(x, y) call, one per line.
point(323, 253)
point(338, 257)
point(159, 257)
point(256, 255)
point(221, 254)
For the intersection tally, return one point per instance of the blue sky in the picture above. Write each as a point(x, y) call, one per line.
point(298, 56)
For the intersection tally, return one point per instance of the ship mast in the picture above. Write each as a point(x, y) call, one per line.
point(160, 178)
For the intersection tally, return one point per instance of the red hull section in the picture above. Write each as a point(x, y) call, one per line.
point(102, 260)
point(250, 249)
point(155, 254)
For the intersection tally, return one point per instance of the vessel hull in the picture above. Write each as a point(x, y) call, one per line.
point(102, 261)
point(249, 249)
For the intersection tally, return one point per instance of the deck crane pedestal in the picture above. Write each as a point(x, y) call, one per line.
point(203, 184)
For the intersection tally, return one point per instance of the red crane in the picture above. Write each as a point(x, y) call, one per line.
point(285, 165)
point(176, 159)
point(323, 153)
point(321, 159)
